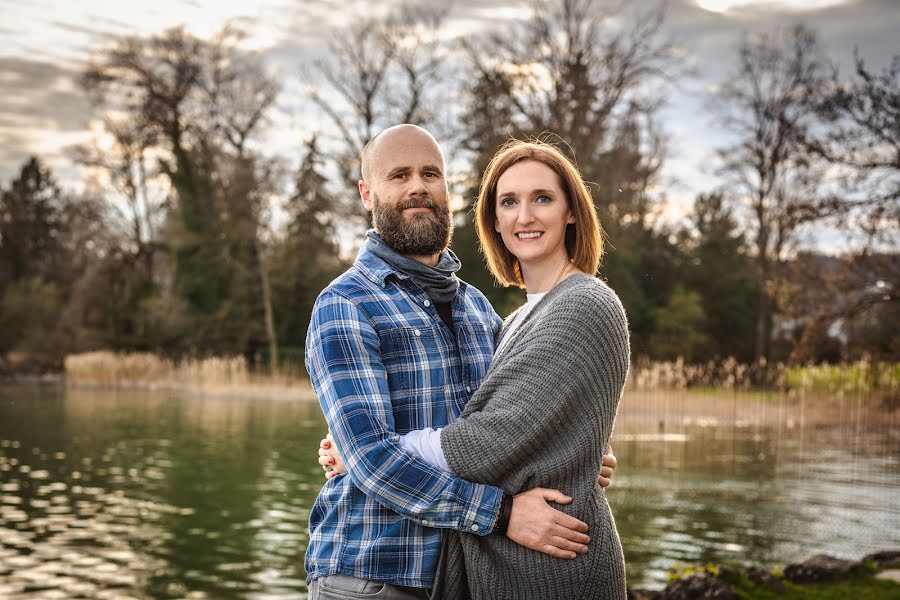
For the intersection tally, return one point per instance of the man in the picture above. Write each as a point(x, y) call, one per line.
point(398, 343)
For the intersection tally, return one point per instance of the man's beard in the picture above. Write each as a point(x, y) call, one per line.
point(421, 234)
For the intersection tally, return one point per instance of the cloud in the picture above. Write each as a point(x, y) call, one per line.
point(42, 102)
point(44, 95)
point(92, 32)
point(711, 41)
point(722, 6)
point(12, 152)
point(16, 146)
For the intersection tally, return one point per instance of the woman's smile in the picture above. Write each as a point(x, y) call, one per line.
point(532, 212)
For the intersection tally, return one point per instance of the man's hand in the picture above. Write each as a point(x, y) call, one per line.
point(330, 458)
point(533, 523)
point(607, 468)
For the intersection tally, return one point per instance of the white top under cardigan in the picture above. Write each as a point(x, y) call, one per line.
point(426, 443)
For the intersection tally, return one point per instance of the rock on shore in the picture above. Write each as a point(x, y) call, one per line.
point(718, 582)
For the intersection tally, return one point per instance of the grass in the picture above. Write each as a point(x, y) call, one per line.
point(859, 586)
point(855, 378)
point(861, 377)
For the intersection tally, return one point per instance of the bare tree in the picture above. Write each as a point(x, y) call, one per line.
point(569, 72)
point(762, 105)
point(835, 299)
point(125, 157)
point(236, 90)
point(192, 98)
point(380, 72)
point(197, 103)
point(859, 134)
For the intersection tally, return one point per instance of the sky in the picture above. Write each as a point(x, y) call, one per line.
point(44, 45)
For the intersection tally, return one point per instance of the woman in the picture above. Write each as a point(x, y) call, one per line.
point(544, 413)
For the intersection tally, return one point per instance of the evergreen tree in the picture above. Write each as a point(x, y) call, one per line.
point(31, 220)
point(723, 275)
point(50, 243)
point(32, 262)
point(680, 327)
point(308, 258)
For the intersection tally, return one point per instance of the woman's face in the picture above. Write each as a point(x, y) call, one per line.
point(532, 212)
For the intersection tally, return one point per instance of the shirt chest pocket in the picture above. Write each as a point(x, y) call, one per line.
point(416, 361)
point(477, 351)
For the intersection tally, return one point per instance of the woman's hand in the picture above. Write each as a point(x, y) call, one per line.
point(607, 468)
point(331, 460)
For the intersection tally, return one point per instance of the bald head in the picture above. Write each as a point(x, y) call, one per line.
point(393, 139)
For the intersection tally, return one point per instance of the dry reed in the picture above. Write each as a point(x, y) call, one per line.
point(229, 375)
point(232, 375)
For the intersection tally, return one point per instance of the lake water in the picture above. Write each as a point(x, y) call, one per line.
point(117, 494)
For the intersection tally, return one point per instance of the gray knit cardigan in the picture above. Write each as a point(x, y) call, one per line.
point(542, 418)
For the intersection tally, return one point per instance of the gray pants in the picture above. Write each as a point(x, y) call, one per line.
point(344, 587)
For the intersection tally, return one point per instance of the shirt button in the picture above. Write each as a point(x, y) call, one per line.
point(425, 522)
point(475, 527)
point(417, 332)
point(469, 388)
point(427, 303)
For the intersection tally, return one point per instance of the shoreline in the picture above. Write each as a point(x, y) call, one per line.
point(665, 412)
point(294, 391)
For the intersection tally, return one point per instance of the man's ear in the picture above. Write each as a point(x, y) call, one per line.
point(365, 194)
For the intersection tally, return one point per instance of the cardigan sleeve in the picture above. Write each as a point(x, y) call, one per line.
point(571, 367)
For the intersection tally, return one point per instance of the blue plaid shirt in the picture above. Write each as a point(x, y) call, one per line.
point(383, 363)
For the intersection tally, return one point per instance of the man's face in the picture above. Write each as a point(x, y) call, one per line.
point(407, 194)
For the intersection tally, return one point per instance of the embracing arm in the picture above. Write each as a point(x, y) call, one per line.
point(345, 367)
point(344, 362)
point(426, 444)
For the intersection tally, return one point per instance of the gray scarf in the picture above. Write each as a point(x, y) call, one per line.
point(440, 282)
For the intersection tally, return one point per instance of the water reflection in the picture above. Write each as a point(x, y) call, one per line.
point(112, 494)
point(142, 494)
point(766, 480)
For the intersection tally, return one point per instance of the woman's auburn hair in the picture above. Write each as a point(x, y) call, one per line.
point(584, 238)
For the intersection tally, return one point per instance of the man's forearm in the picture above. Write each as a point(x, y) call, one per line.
point(409, 486)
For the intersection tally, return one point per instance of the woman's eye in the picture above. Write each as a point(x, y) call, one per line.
point(543, 198)
point(507, 202)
